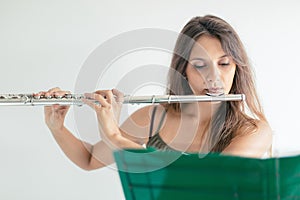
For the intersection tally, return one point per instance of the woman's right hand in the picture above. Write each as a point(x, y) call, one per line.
point(55, 114)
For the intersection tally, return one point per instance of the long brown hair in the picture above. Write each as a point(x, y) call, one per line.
point(231, 119)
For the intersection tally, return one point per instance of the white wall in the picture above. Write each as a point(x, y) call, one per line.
point(45, 44)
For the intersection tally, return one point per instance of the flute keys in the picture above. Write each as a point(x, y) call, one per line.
point(33, 99)
point(8, 99)
point(36, 97)
point(68, 96)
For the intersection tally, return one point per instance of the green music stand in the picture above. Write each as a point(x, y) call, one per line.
point(156, 175)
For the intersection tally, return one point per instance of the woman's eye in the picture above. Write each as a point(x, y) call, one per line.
point(225, 64)
point(199, 66)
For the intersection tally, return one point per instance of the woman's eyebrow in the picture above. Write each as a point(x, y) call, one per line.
point(203, 59)
point(223, 56)
point(198, 58)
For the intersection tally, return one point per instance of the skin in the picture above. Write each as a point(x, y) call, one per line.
point(209, 70)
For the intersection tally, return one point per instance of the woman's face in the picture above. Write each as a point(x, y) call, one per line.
point(209, 69)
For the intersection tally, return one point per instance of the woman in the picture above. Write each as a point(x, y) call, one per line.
point(208, 58)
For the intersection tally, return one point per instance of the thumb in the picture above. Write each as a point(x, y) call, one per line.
point(119, 96)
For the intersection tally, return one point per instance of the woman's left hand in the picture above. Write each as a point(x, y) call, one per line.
point(107, 110)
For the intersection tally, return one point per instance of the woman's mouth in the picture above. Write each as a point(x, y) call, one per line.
point(214, 91)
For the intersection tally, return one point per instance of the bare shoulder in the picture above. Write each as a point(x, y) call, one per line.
point(254, 144)
point(263, 135)
point(142, 116)
point(136, 126)
point(263, 130)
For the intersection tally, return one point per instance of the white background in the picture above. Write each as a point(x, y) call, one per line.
point(44, 44)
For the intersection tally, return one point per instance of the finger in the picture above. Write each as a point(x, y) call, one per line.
point(101, 92)
point(56, 93)
point(107, 94)
point(50, 92)
point(92, 97)
point(110, 96)
point(55, 107)
point(119, 96)
point(47, 108)
point(53, 89)
point(59, 108)
point(60, 93)
point(91, 104)
point(41, 93)
point(47, 93)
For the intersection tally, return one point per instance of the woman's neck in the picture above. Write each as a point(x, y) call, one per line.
point(193, 124)
point(202, 112)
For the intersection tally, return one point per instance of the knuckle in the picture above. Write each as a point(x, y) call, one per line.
point(109, 106)
point(54, 89)
point(107, 92)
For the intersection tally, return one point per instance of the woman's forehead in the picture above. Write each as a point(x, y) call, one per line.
point(207, 47)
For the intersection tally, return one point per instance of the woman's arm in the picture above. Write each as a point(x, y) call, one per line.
point(134, 133)
point(87, 156)
point(76, 150)
point(84, 155)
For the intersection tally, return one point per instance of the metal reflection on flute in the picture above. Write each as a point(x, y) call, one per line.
point(76, 99)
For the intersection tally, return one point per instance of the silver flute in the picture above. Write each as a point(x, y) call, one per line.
point(76, 99)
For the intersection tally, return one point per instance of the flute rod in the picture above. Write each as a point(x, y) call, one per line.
point(182, 98)
point(76, 99)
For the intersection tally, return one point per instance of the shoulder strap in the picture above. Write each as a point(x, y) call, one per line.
point(161, 120)
point(152, 121)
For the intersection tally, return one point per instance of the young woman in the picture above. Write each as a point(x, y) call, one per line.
point(208, 58)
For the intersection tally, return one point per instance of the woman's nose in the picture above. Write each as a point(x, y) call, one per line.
point(213, 75)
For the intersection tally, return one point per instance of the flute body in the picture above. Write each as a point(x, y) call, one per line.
point(76, 99)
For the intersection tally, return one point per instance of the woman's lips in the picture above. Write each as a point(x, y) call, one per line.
point(215, 91)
